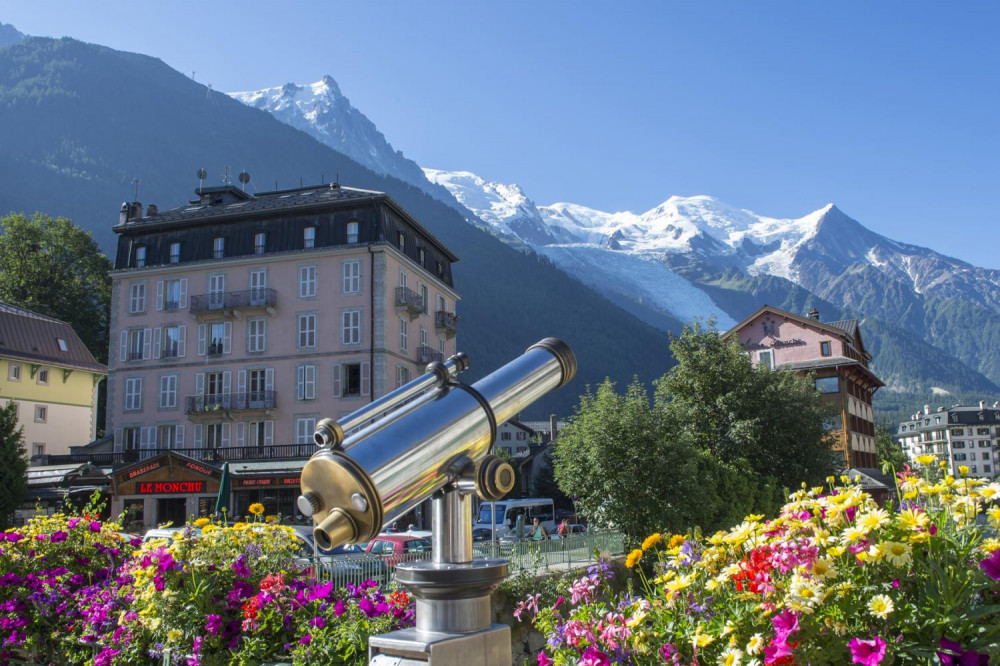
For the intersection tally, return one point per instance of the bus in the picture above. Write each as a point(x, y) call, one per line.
point(508, 511)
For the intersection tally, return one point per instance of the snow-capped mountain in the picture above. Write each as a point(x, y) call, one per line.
point(321, 110)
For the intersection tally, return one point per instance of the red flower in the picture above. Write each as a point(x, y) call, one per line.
point(400, 599)
point(250, 609)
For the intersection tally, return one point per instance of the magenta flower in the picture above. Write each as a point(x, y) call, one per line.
point(306, 640)
point(59, 537)
point(544, 659)
point(240, 567)
point(320, 591)
point(867, 653)
point(991, 565)
point(785, 624)
point(952, 654)
point(319, 622)
point(213, 623)
point(95, 526)
point(338, 608)
point(73, 522)
point(593, 657)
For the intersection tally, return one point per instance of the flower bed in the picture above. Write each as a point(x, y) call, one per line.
point(74, 591)
point(834, 579)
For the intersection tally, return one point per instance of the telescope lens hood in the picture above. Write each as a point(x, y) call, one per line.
point(563, 353)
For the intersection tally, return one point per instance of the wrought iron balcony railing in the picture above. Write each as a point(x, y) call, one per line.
point(229, 402)
point(229, 453)
point(446, 321)
point(410, 301)
point(234, 300)
point(428, 355)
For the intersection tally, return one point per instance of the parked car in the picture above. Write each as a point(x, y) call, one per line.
point(345, 563)
point(167, 533)
point(574, 530)
point(395, 548)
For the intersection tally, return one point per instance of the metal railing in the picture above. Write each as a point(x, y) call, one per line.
point(230, 402)
point(428, 354)
point(229, 453)
point(549, 555)
point(233, 300)
point(409, 299)
point(446, 320)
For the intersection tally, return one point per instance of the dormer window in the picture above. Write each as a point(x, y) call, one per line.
point(219, 248)
point(309, 237)
point(352, 232)
point(401, 241)
point(175, 252)
point(62, 344)
point(421, 254)
point(259, 243)
point(140, 256)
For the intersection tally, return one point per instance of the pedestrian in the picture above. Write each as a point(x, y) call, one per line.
point(563, 530)
point(538, 531)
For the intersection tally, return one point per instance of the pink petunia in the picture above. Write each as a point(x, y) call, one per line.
point(867, 653)
point(991, 565)
point(544, 659)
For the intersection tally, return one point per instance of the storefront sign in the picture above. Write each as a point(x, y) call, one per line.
point(199, 468)
point(270, 481)
point(794, 342)
point(167, 487)
point(145, 469)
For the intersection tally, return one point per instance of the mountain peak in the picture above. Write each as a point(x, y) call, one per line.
point(10, 35)
point(327, 85)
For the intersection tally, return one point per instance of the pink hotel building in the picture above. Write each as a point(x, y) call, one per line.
point(239, 321)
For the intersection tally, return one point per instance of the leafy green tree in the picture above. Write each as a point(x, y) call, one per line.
point(55, 268)
point(719, 402)
point(889, 452)
point(13, 465)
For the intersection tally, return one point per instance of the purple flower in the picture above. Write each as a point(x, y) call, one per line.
point(785, 624)
point(867, 653)
point(73, 522)
point(367, 606)
point(59, 537)
point(594, 657)
point(318, 622)
point(320, 591)
point(952, 654)
point(13, 537)
point(991, 565)
point(667, 651)
point(338, 608)
point(306, 640)
point(158, 582)
point(240, 567)
point(95, 526)
point(544, 659)
point(105, 657)
point(213, 623)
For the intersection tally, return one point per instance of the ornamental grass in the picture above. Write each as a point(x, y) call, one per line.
point(74, 591)
point(834, 579)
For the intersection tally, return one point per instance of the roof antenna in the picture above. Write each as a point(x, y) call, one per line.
point(225, 176)
point(201, 178)
point(136, 181)
point(244, 179)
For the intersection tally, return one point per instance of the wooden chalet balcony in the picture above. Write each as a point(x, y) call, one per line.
point(222, 404)
point(446, 322)
point(428, 355)
point(409, 301)
point(234, 303)
point(229, 453)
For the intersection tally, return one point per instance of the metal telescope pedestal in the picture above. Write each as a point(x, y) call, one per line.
point(452, 593)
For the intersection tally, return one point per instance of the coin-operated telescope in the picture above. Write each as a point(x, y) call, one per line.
point(431, 438)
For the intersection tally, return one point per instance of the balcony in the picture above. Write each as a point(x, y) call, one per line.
point(409, 301)
point(223, 404)
point(229, 453)
point(428, 355)
point(234, 303)
point(445, 322)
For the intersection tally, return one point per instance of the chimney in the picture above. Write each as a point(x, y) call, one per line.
point(134, 210)
point(982, 404)
point(813, 314)
point(927, 409)
point(152, 210)
point(123, 213)
point(552, 427)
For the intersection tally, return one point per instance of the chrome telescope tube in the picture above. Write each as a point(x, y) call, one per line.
point(385, 470)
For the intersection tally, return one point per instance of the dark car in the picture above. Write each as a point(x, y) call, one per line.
point(396, 548)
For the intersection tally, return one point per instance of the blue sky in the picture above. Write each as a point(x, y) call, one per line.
point(888, 109)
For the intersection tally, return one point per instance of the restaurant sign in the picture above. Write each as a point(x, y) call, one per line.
point(167, 487)
point(269, 482)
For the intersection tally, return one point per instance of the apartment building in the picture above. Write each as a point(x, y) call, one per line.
point(960, 435)
point(51, 378)
point(835, 353)
point(239, 321)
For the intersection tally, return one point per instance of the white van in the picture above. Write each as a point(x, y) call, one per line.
point(508, 510)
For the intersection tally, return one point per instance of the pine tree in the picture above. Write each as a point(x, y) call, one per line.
point(13, 465)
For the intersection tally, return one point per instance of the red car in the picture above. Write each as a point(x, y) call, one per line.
point(396, 548)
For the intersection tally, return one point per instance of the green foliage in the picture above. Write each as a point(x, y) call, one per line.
point(13, 465)
point(890, 453)
point(770, 419)
point(55, 268)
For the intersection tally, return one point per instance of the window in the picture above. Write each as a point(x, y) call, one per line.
point(351, 327)
point(401, 241)
point(62, 344)
point(214, 385)
point(140, 256)
point(424, 338)
point(959, 456)
point(958, 445)
point(14, 372)
point(984, 443)
point(441, 345)
point(166, 437)
point(307, 330)
point(985, 455)
point(219, 248)
point(402, 375)
point(306, 382)
point(168, 391)
point(824, 348)
point(505, 435)
point(175, 252)
point(421, 254)
point(522, 435)
point(958, 431)
point(37, 449)
point(216, 339)
point(404, 326)
point(136, 344)
point(304, 429)
point(986, 468)
point(402, 278)
point(765, 359)
point(309, 237)
point(442, 306)
point(213, 436)
point(307, 281)
point(41, 413)
point(130, 439)
point(425, 299)
point(172, 342)
point(352, 232)
point(256, 433)
point(256, 335)
point(217, 291)
point(352, 277)
point(43, 376)
point(827, 385)
point(982, 431)
point(257, 388)
point(133, 394)
point(259, 243)
point(352, 379)
point(137, 297)
point(172, 295)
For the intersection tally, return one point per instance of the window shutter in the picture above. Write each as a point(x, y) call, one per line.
point(182, 341)
point(269, 433)
point(147, 341)
point(138, 405)
point(336, 379)
point(310, 387)
point(227, 337)
point(156, 342)
point(159, 294)
point(184, 293)
point(202, 343)
point(199, 384)
point(226, 430)
point(365, 380)
point(144, 438)
point(118, 439)
point(300, 382)
point(123, 346)
point(241, 386)
point(241, 430)
point(227, 385)
point(198, 435)
point(179, 435)
point(269, 379)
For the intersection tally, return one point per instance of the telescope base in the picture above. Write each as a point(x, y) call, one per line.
point(410, 647)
